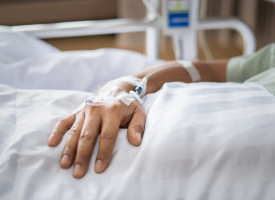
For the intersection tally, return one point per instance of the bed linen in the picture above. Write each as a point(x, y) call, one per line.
point(29, 63)
point(202, 141)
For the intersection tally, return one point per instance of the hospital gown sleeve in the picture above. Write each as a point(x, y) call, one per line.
point(241, 68)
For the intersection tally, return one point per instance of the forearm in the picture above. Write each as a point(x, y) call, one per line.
point(210, 71)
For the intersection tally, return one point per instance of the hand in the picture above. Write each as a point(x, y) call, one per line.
point(84, 128)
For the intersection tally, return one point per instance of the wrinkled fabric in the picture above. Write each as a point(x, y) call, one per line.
point(16, 48)
point(202, 141)
point(29, 63)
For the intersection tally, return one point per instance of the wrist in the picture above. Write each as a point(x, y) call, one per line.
point(127, 87)
point(153, 85)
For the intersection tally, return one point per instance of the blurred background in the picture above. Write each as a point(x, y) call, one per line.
point(258, 14)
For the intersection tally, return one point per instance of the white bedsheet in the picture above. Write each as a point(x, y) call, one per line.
point(202, 141)
point(29, 63)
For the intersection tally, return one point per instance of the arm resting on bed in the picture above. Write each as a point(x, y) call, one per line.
point(85, 126)
point(210, 71)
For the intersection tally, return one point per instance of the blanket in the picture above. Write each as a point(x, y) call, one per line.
point(202, 141)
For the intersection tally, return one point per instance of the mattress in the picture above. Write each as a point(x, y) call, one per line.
point(202, 141)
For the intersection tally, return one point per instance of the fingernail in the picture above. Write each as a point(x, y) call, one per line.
point(51, 138)
point(77, 169)
point(98, 165)
point(138, 135)
point(65, 160)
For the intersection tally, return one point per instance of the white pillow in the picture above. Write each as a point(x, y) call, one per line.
point(15, 47)
point(202, 141)
point(29, 63)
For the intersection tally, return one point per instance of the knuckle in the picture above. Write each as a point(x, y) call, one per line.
point(135, 104)
point(56, 130)
point(73, 131)
point(62, 123)
point(93, 110)
point(107, 136)
point(87, 137)
point(90, 108)
point(112, 108)
point(141, 112)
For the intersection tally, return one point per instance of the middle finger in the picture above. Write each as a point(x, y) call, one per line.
point(86, 143)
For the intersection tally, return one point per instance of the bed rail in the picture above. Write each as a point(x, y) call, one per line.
point(97, 27)
point(185, 44)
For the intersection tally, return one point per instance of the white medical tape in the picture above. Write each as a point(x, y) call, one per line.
point(130, 79)
point(104, 99)
point(113, 94)
point(193, 72)
point(135, 82)
point(126, 98)
point(139, 100)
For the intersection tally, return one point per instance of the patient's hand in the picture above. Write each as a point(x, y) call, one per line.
point(85, 127)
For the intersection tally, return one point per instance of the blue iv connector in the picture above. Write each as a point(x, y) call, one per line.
point(138, 90)
point(89, 101)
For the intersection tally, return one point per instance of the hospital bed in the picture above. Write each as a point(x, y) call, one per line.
point(184, 36)
point(202, 140)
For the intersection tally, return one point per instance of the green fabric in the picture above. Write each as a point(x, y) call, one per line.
point(258, 67)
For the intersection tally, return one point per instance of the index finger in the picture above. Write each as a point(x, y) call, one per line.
point(107, 140)
point(60, 129)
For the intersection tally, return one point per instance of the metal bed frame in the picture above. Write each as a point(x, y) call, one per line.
point(185, 44)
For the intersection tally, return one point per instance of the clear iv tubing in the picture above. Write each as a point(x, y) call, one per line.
point(139, 92)
point(126, 98)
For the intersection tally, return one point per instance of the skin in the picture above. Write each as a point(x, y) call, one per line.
point(105, 121)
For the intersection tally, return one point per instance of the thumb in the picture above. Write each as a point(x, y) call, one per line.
point(136, 127)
